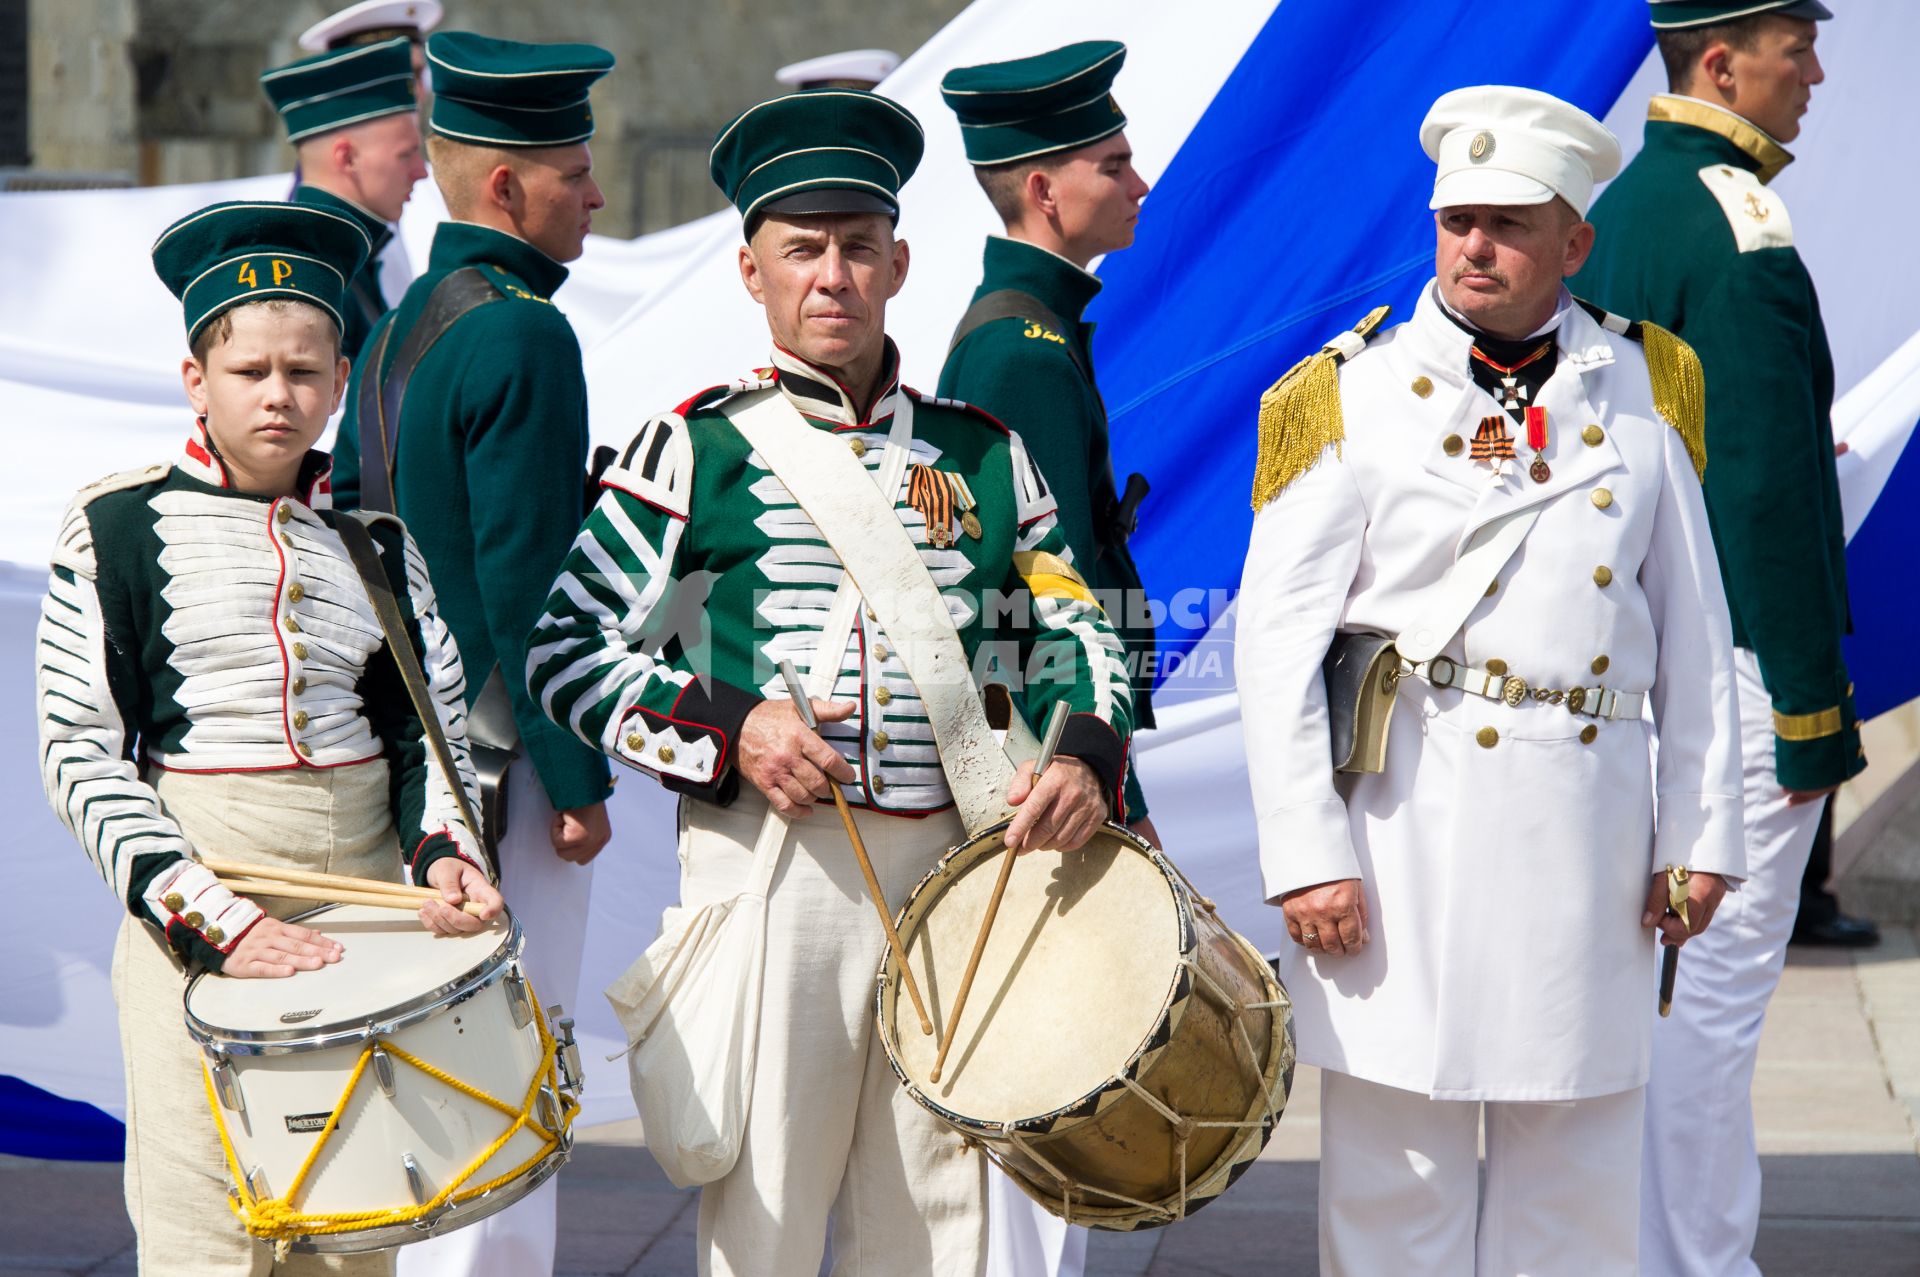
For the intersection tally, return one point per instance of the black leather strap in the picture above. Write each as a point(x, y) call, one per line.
point(381, 396)
point(373, 575)
point(363, 290)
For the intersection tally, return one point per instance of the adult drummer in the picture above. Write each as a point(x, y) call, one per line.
point(696, 573)
point(212, 680)
point(1472, 924)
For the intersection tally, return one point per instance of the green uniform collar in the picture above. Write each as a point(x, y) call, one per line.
point(1047, 277)
point(457, 244)
point(379, 233)
point(1750, 146)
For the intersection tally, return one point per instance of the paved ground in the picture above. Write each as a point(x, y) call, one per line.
point(1837, 1095)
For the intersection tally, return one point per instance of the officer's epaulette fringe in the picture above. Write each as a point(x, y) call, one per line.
point(1300, 414)
point(1679, 389)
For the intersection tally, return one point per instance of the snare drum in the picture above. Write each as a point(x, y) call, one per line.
point(405, 1091)
point(1123, 1055)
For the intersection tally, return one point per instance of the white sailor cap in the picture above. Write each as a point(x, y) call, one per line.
point(1500, 145)
point(856, 67)
point(372, 15)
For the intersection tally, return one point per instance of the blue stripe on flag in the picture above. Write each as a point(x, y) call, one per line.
point(1298, 203)
point(1886, 613)
point(37, 1123)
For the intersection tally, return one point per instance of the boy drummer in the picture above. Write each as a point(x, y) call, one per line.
point(211, 679)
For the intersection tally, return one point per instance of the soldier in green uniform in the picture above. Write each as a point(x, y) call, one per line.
point(350, 115)
point(1048, 144)
point(1691, 237)
point(700, 569)
point(468, 417)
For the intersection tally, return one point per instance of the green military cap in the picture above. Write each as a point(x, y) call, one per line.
point(229, 254)
point(820, 151)
point(332, 90)
point(1056, 101)
point(1676, 15)
point(505, 93)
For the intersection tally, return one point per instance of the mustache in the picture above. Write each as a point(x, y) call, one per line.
point(1462, 270)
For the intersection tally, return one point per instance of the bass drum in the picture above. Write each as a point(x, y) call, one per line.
point(1123, 1054)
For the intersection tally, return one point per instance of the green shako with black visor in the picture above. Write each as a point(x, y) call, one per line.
point(817, 151)
point(243, 251)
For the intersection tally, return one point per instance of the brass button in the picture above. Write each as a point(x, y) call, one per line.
point(1589, 734)
point(1602, 498)
point(1600, 664)
point(1487, 737)
point(883, 696)
point(299, 686)
point(293, 626)
point(283, 514)
point(194, 920)
point(296, 592)
point(216, 936)
point(299, 651)
point(880, 651)
point(174, 901)
point(1603, 576)
point(1496, 666)
point(881, 740)
point(666, 753)
point(636, 742)
point(1592, 436)
point(305, 749)
point(1452, 444)
point(1422, 387)
point(879, 785)
point(872, 615)
point(300, 718)
point(1493, 587)
point(858, 445)
point(286, 540)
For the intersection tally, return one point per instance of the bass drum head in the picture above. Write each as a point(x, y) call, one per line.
point(391, 966)
point(1080, 968)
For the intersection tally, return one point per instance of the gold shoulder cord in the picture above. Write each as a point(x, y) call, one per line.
point(1679, 389)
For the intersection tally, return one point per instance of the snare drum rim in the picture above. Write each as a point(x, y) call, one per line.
point(1166, 1023)
point(390, 1020)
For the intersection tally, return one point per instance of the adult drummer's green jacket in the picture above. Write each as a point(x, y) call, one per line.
point(363, 303)
point(1691, 238)
point(1025, 374)
point(489, 470)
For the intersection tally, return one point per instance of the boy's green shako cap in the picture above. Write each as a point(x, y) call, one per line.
point(348, 86)
point(490, 92)
point(1677, 15)
point(818, 151)
point(1056, 101)
point(229, 254)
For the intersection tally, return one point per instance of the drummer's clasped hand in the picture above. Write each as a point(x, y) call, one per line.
point(457, 881)
point(788, 761)
point(1061, 812)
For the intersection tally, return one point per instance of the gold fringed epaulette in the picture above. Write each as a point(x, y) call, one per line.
point(1300, 413)
point(1679, 389)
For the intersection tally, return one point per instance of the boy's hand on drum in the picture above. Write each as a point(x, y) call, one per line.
point(457, 881)
point(271, 949)
point(787, 761)
point(1061, 812)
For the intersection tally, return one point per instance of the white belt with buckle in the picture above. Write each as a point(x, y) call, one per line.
point(1589, 702)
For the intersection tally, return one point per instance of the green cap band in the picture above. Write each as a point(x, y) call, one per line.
point(333, 90)
point(1056, 101)
point(1677, 15)
point(820, 151)
point(504, 93)
point(229, 254)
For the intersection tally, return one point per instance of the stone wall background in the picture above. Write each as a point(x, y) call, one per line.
point(165, 90)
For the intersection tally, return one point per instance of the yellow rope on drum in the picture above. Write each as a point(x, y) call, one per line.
point(280, 1221)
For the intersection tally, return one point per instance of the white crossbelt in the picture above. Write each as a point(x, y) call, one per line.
point(1590, 702)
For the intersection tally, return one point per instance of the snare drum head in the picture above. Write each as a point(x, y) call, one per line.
point(1077, 975)
point(390, 961)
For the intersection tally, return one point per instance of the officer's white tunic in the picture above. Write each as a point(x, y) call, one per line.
point(1505, 882)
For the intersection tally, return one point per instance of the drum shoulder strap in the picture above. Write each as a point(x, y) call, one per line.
point(373, 575)
point(1011, 303)
point(383, 394)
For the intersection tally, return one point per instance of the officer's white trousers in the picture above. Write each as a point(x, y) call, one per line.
point(831, 1131)
point(1701, 1184)
point(1024, 1240)
point(1399, 1184)
point(549, 897)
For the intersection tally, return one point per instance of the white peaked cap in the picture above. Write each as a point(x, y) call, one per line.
point(1500, 145)
point(371, 15)
point(869, 65)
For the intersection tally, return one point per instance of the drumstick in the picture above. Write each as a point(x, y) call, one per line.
point(333, 895)
point(314, 878)
point(1055, 724)
point(805, 707)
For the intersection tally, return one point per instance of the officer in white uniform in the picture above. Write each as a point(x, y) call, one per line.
point(1473, 923)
